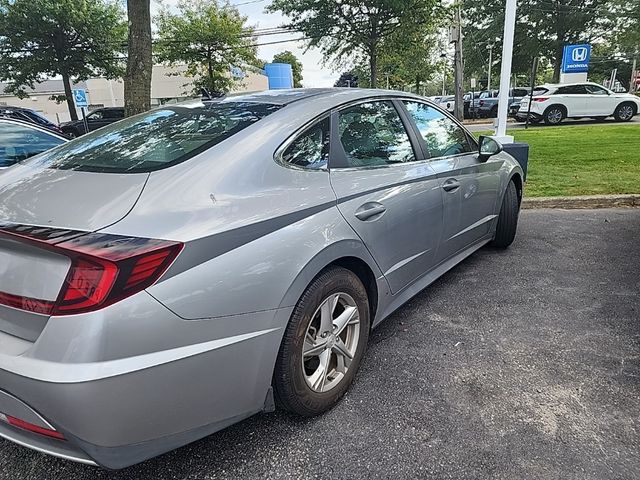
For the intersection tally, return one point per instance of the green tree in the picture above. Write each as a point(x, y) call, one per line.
point(296, 65)
point(354, 30)
point(543, 27)
point(75, 39)
point(137, 80)
point(209, 38)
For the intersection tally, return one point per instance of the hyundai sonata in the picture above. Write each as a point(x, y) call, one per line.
point(181, 270)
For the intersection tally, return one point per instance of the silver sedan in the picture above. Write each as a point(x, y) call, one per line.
point(186, 268)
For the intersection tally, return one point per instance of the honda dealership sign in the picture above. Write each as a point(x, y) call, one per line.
point(575, 58)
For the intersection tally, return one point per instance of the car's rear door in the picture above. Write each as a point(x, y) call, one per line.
point(574, 98)
point(386, 189)
point(470, 187)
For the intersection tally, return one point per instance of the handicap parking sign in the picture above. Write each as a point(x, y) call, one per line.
point(80, 98)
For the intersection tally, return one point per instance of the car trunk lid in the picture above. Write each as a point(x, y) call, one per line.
point(67, 198)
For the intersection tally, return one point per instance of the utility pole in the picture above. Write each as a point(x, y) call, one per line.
point(443, 56)
point(490, 48)
point(456, 38)
point(387, 75)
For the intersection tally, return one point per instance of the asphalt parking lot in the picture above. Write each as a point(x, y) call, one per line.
point(522, 364)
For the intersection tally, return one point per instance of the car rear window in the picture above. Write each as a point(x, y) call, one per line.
point(158, 138)
point(539, 91)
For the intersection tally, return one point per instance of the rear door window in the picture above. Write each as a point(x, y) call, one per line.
point(572, 90)
point(158, 138)
point(19, 142)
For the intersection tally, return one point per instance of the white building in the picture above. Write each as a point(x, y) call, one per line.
point(168, 85)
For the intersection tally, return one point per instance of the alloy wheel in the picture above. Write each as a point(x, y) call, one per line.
point(330, 342)
point(555, 115)
point(625, 112)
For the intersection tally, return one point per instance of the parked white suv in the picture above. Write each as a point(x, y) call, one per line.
point(554, 103)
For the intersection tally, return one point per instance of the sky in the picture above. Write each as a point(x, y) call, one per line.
point(313, 72)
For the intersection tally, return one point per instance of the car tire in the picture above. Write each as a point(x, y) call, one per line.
point(554, 115)
point(624, 112)
point(508, 218)
point(297, 380)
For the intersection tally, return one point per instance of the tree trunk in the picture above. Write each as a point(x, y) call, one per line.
point(66, 81)
point(373, 65)
point(137, 81)
point(559, 50)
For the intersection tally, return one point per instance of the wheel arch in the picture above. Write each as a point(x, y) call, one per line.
point(350, 254)
point(558, 105)
point(516, 178)
point(633, 104)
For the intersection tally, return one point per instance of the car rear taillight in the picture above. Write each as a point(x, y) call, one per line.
point(30, 427)
point(104, 268)
point(540, 99)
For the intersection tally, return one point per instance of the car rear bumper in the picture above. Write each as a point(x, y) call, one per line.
point(118, 420)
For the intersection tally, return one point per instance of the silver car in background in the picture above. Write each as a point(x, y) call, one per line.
point(181, 270)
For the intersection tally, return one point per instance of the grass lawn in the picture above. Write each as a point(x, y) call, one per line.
point(582, 160)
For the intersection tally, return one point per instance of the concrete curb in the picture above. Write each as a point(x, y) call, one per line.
point(583, 201)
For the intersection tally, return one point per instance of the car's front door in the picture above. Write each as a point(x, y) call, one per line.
point(599, 103)
point(470, 187)
point(386, 190)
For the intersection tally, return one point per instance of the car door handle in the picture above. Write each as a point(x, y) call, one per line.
point(369, 210)
point(451, 185)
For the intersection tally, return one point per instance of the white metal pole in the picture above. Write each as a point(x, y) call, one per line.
point(489, 69)
point(505, 71)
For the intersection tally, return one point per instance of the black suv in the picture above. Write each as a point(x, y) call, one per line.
point(96, 119)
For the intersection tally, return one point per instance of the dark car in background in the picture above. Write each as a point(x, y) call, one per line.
point(21, 140)
point(468, 113)
point(29, 116)
point(486, 106)
point(96, 119)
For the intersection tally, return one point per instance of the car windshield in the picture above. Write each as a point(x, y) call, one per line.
point(156, 139)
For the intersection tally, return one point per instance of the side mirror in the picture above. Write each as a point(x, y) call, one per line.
point(488, 148)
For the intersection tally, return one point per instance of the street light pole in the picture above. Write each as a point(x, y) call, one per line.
point(490, 48)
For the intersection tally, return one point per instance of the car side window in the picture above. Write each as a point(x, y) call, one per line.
point(443, 136)
point(572, 90)
point(17, 143)
point(97, 115)
point(310, 149)
point(372, 134)
point(595, 90)
point(113, 114)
